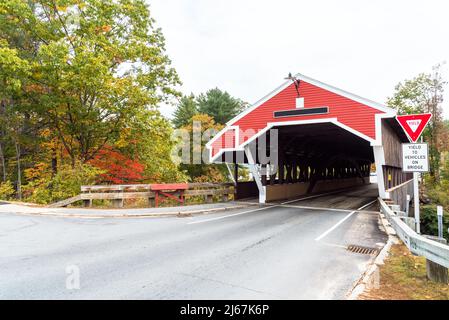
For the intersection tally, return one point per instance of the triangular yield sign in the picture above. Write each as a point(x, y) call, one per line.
point(414, 124)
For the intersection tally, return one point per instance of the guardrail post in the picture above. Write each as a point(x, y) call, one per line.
point(209, 198)
point(87, 203)
point(440, 221)
point(225, 196)
point(117, 203)
point(431, 247)
point(436, 272)
point(151, 202)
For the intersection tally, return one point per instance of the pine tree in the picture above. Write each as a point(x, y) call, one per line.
point(220, 105)
point(185, 110)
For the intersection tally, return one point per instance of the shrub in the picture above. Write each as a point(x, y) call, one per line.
point(117, 167)
point(6, 190)
point(65, 184)
point(439, 193)
point(429, 221)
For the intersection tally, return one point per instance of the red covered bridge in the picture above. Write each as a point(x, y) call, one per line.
point(307, 136)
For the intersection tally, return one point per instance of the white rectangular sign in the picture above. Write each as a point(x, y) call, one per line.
point(415, 157)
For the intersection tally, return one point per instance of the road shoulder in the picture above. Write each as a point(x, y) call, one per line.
point(183, 211)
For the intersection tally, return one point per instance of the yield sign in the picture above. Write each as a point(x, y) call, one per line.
point(414, 124)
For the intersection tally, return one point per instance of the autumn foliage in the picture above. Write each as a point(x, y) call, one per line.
point(119, 169)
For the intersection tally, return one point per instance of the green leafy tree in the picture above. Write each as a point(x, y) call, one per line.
point(220, 105)
point(95, 65)
point(185, 110)
point(13, 72)
point(424, 94)
point(201, 172)
point(77, 76)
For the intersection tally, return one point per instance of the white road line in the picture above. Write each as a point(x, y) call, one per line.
point(314, 196)
point(341, 221)
point(300, 199)
point(322, 208)
point(232, 215)
point(259, 209)
point(267, 207)
point(366, 205)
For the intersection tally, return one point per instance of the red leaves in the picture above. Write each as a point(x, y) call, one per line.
point(119, 168)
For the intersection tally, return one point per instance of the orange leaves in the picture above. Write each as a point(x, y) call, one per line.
point(50, 142)
point(36, 172)
point(103, 29)
point(207, 122)
point(119, 168)
point(35, 88)
point(106, 28)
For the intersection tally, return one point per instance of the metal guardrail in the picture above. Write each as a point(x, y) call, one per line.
point(416, 243)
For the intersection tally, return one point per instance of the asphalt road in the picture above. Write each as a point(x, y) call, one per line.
point(278, 252)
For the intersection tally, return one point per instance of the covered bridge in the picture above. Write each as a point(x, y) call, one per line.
point(307, 136)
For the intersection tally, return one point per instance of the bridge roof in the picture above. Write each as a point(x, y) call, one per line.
point(318, 103)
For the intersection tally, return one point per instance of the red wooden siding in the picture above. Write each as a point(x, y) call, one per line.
point(351, 113)
point(226, 140)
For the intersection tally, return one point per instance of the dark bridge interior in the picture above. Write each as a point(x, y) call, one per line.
point(320, 151)
point(312, 152)
point(323, 143)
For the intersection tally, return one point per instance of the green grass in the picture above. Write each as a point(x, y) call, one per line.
point(403, 277)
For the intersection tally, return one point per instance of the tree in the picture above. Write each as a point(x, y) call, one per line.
point(424, 94)
point(13, 70)
point(95, 64)
point(117, 167)
point(148, 138)
point(185, 110)
point(200, 172)
point(80, 83)
point(220, 105)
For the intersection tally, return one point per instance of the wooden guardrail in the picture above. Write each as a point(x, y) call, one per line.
point(399, 193)
point(416, 243)
point(118, 193)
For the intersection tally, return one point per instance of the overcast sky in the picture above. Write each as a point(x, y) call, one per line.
point(247, 47)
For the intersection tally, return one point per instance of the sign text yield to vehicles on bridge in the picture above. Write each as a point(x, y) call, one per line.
point(414, 124)
point(415, 157)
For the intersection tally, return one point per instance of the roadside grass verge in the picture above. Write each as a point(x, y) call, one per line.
point(403, 277)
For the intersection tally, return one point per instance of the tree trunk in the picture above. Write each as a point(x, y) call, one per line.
point(3, 163)
point(19, 172)
point(2, 133)
point(54, 162)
